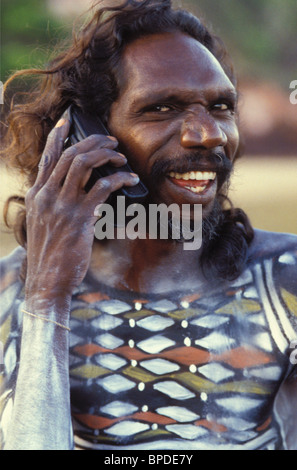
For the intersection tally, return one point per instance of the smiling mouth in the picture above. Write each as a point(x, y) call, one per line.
point(195, 181)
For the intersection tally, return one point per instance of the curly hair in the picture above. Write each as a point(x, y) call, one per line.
point(86, 74)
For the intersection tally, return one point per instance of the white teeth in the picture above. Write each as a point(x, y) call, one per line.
point(194, 175)
point(196, 190)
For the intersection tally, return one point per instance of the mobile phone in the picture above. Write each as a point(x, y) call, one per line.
point(84, 125)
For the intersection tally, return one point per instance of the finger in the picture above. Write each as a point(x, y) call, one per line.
point(104, 187)
point(82, 166)
point(117, 160)
point(93, 143)
point(52, 151)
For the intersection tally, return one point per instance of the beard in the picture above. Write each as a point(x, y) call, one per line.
point(211, 225)
point(219, 163)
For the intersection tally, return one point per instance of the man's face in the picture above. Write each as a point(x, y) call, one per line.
point(175, 120)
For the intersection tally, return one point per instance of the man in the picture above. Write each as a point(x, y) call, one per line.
point(168, 348)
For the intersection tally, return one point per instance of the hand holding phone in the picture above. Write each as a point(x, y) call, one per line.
point(82, 126)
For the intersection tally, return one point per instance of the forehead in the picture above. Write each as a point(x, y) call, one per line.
point(170, 61)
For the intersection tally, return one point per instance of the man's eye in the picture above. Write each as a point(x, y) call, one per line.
point(223, 107)
point(162, 108)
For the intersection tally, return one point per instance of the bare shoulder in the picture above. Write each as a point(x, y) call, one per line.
point(280, 250)
point(271, 244)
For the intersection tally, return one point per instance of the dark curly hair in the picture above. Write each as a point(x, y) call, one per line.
point(87, 74)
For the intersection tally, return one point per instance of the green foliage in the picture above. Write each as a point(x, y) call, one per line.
point(261, 34)
point(28, 34)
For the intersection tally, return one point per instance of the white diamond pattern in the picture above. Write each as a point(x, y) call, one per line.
point(236, 424)
point(210, 321)
point(110, 361)
point(267, 373)
point(179, 413)
point(257, 318)
point(198, 367)
point(107, 322)
point(127, 428)
point(215, 372)
point(238, 404)
point(118, 409)
point(113, 307)
point(162, 306)
point(159, 366)
point(109, 341)
point(187, 431)
point(174, 390)
point(155, 323)
point(116, 383)
point(155, 344)
point(216, 342)
point(262, 340)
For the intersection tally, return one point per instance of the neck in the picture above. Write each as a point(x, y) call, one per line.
point(145, 265)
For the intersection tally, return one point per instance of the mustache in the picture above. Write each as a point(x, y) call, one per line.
point(194, 161)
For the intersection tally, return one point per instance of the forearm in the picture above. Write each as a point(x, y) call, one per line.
point(41, 415)
point(61, 257)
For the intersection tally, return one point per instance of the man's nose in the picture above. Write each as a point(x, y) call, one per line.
point(202, 130)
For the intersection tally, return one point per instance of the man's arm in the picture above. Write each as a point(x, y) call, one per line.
point(41, 418)
point(34, 396)
point(60, 234)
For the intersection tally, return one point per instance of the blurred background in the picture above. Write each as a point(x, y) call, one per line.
point(261, 36)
